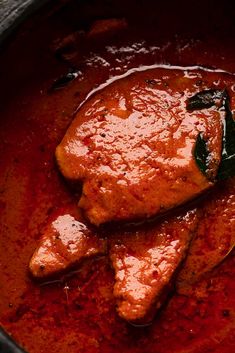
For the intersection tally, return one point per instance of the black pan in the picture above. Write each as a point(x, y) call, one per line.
point(13, 12)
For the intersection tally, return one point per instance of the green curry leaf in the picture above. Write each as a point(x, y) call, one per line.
point(220, 99)
point(201, 153)
point(227, 165)
point(206, 99)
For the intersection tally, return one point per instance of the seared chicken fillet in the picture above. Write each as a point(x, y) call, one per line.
point(132, 145)
point(145, 263)
point(66, 241)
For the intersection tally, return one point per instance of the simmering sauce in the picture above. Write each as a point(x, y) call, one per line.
point(53, 63)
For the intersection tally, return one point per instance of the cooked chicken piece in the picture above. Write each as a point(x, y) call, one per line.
point(145, 263)
point(132, 145)
point(215, 237)
point(65, 241)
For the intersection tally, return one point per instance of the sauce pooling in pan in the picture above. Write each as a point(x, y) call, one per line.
point(76, 310)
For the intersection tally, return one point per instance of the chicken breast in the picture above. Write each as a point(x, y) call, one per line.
point(132, 145)
point(66, 241)
point(145, 263)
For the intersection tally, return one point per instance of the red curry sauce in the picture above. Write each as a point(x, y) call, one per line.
point(76, 312)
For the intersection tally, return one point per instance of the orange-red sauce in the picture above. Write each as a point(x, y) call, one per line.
point(76, 312)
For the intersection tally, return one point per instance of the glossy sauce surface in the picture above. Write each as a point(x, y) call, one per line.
point(76, 312)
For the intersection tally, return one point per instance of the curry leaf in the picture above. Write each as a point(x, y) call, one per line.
point(201, 153)
point(206, 99)
point(220, 99)
point(227, 165)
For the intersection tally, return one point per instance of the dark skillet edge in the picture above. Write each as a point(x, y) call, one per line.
point(7, 345)
point(14, 12)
